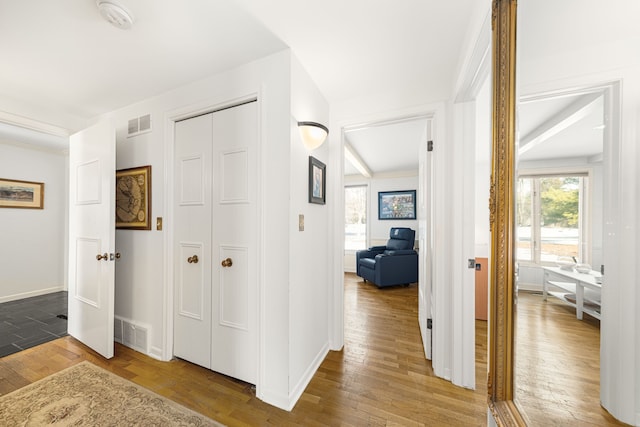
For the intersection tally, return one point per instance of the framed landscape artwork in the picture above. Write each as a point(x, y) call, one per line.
point(397, 204)
point(21, 194)
point(133, 198)
point(317, 181)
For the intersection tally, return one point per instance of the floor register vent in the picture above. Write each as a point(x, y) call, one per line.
point(131, 335)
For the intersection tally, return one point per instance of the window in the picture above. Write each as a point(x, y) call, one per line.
point(551, 218)
point(355, 221)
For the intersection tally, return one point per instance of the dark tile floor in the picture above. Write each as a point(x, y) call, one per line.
point(31, 321)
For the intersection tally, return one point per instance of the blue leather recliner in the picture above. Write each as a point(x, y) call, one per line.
point(396, 263)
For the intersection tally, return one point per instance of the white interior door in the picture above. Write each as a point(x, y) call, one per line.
point(192, 248)
point(215, 319)
point(425, 242)
point(235, 230)
point(92, 165)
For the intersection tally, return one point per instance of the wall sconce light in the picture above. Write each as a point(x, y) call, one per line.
point(313, 134)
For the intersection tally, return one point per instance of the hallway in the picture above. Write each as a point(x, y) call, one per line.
point(380, 378)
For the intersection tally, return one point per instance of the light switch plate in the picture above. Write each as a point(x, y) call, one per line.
point(300, 222)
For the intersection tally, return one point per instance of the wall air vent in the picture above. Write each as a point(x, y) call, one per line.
point(130, 334)
point(139, 125)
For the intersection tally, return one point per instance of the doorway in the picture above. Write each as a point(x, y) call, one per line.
point(382, 156)
point(559, 217)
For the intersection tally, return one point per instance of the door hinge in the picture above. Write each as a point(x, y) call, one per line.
point(429, 145)
point(429, 323)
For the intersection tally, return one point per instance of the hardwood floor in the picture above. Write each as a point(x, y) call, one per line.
point(558, 364)
point(380, 378)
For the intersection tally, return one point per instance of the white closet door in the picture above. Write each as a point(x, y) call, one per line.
point(216, 220)
point(192, 237)
point(235, 230)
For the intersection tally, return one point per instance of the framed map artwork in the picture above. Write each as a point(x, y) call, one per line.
point(133, 198)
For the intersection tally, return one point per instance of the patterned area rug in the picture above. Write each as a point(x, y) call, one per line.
point(86, 395)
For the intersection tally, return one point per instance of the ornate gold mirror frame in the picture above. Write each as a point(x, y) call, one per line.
point(501, 206)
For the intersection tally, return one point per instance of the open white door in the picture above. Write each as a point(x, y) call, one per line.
point(92, 165)
point(425, 241)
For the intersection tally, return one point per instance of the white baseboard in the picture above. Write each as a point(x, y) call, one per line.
point(535, 287)
point(156, 353)
point(32, 294)
point(299, 388)
point(276, 399)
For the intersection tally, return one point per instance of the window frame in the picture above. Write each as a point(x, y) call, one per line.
point(367, 188)
point(584, 219)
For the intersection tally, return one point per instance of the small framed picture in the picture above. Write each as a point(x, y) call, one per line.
point(397, 204)
point(133, 198)
point(317, 181)
point(21, 194)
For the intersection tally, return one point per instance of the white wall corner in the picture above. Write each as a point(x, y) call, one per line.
point(277, 399)
point(476, 65)
point(157, 353)
point(298, 389)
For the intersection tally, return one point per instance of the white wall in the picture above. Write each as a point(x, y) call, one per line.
point(309, 249)
point(378, 230)
point(33, 250)
point(293, 265)
point(483, 171)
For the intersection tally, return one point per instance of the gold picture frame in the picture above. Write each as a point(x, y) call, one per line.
point(133, 198)
point(21, 194)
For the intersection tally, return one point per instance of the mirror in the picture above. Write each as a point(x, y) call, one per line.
point(602, 63)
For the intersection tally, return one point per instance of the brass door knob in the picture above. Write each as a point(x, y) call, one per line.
point(193, 259)
point(104, 256)
point(227, 262)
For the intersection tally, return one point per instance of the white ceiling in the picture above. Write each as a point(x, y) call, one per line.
point(63, 64)
point(561, 127)
point(387, 148)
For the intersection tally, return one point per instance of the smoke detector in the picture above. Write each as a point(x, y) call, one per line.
point(116, 14)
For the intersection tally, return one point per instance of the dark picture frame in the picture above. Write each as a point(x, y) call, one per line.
point(133, 198)
point(21, 194)
point(397, 204)
point(317, 181)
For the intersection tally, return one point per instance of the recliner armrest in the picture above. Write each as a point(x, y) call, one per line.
point(377, 248)
point(400, 252)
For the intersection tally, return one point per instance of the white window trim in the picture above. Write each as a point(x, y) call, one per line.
point(364, 183)
point(585, 217)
